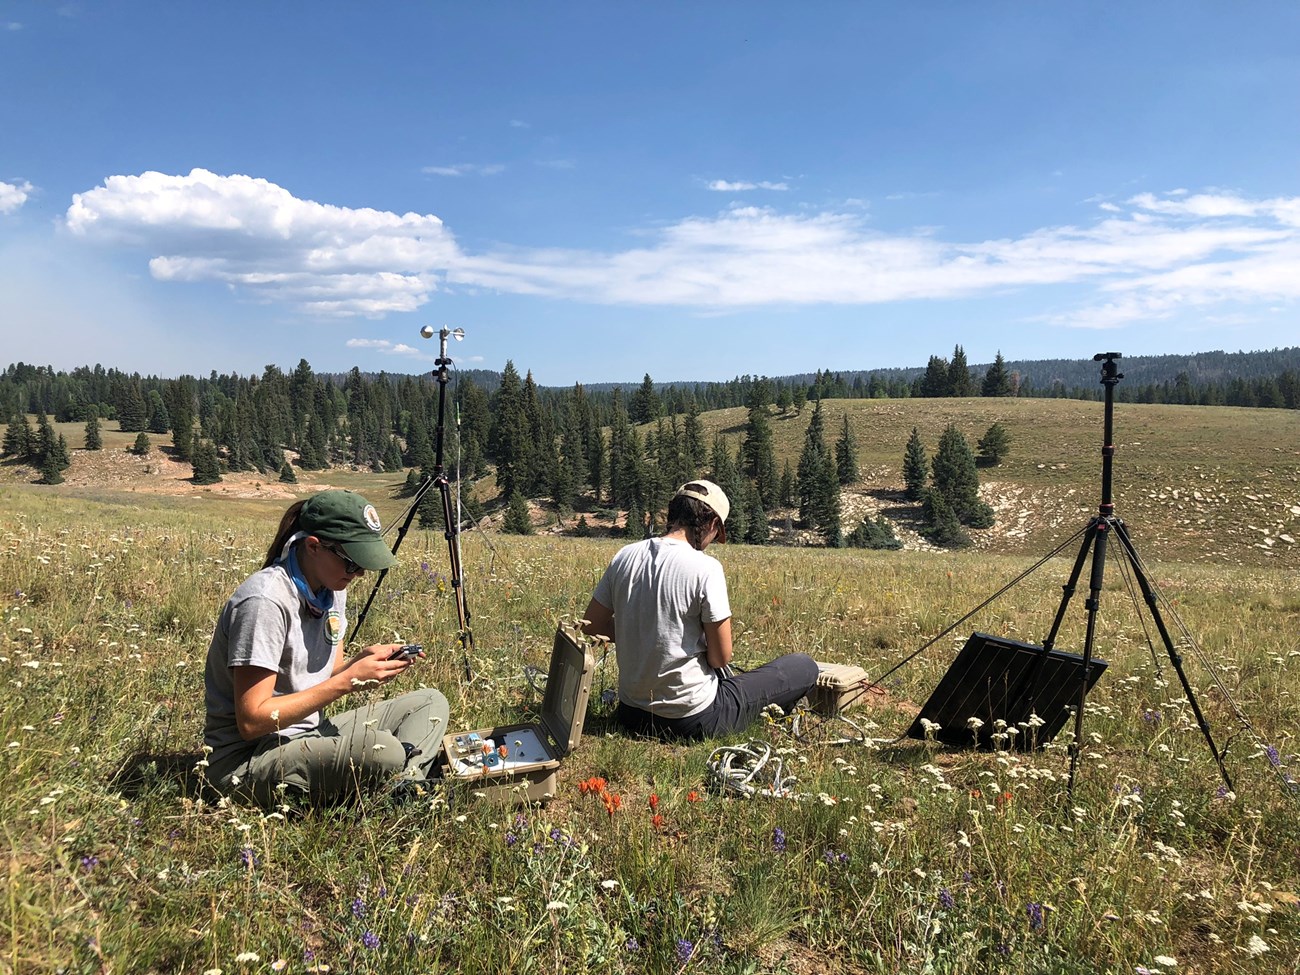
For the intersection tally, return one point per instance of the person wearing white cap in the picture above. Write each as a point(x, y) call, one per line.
point(663, 602)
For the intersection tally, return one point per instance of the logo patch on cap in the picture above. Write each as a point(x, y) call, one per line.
point(372, 517)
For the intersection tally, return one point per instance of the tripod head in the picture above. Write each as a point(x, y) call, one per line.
point(1110, 373)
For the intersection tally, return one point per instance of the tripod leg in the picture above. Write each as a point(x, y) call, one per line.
point(1071, 583)
point(1153, 606)
point(1100, 533)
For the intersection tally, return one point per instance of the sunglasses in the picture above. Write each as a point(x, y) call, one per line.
point(350, 567)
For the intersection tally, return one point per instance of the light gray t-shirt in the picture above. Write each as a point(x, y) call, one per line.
point(265, 624)
point(662, 592)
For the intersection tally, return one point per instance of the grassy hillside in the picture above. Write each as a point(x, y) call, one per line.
point(890, 856)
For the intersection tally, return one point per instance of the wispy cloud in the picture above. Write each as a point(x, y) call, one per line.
point(728, 186)
point(12, 25)
point(465, 169)
point(388, 348)
point(13, 195)
point(1151, 256)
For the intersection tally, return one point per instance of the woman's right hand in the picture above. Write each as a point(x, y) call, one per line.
point(374, 665)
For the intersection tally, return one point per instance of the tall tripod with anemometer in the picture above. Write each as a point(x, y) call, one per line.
point(450, 516)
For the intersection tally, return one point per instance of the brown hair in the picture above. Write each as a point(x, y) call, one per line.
point(691, 514)
point(288, 525)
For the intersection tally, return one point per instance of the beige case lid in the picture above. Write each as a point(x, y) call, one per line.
point(568, 685)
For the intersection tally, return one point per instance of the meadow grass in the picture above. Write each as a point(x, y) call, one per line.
point(894, 855)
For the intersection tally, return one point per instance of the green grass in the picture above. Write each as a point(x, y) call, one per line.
point(899, 857)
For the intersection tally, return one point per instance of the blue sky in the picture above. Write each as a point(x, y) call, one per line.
point(597, 191)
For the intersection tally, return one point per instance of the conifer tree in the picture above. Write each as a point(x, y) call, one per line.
point(62, 455)
point(916, 467)
point(693, 447)
point(957, 480)
point(846, 455)
point(94, 439)
point(757, 529)
point(51, 473)
point(132, 413)
point(877, 534)
point(758, 456)
point(997, 382)
point(142, 446)
point(935, 381)
point(18, 437)
point(287, 475)
point(819, 487)
point(942, 526)
point(994, 445)
point(159, 421)
point(510, 438)
point(43, 443)
point(788, 493)
point(206, 462)
point(959, 381)
point(644, 406)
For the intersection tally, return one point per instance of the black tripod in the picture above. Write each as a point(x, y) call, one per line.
point(450, 518)
point(1095, 540)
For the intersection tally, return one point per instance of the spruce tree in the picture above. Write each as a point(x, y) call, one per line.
point(957, 480)
point(959, 381)
point(994, 445)
point(877, 534)
point(846, 455)
point(51, 473)
point(935, 381)
point(94, 440)
point(159, 421)
point(997, 382)
point(287, 475)
point(18, 437)
point(142, 446)
point(62, 456)
point(758, 456)
point(916, 467)
point(132, 413)
point(42, 444)
point(206, 462)
point(788, 493)
point(517, 520)
point(757, 529)
point(942, 526)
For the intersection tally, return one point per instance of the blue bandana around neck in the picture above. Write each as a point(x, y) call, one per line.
point(318, 603)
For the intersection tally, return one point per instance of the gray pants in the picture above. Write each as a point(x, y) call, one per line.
point(344, 755)
point(739, 700)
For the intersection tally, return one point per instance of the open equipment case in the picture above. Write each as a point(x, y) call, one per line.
point(518, 762)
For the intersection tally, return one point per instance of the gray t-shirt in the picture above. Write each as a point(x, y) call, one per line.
point(265, 624)
point(662, 592)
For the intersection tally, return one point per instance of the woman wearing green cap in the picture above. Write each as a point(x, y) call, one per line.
point(276, 660)
point(664, 603)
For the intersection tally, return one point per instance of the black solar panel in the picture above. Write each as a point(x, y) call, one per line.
point(994, 679)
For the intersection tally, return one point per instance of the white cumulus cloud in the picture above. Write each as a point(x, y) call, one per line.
point(1152, 256)
point(256, 236)
point(13, 195)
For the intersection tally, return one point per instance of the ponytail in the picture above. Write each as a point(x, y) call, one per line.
point(288, 525)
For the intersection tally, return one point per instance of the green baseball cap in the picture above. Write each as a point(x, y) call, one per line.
point(350, 520)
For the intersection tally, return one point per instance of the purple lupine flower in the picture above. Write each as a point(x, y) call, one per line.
point(247, 858)
point(946, 900)
point(89, 863)
point(370, 940)
point(358, 907)
point(684, 950)
point(1035, 912)
point(511, 839)
point(632, 945)
point(1273, 758)
point(1151, 716)
point(778, 839)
